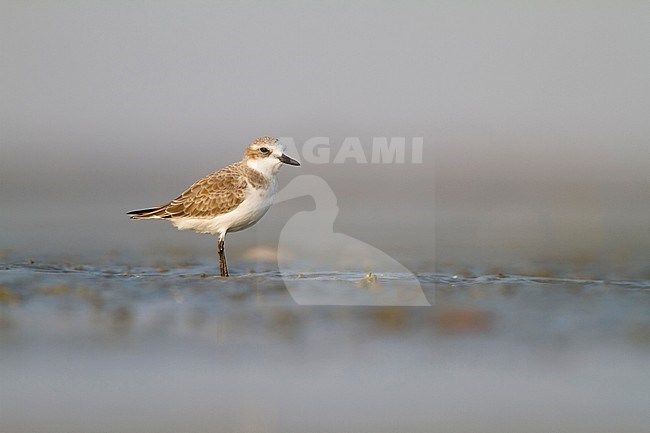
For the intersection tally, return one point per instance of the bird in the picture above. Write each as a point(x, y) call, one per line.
point(229, 200)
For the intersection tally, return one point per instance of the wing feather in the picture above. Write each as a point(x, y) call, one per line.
point(212, 195)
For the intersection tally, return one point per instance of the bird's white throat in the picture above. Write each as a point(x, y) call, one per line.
point(267, 166)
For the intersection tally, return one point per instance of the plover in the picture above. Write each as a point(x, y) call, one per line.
point(229, 200)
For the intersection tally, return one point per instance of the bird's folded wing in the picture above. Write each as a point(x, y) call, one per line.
point(213, 195)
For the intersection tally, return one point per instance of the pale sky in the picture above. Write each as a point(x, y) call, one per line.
point(100, 100)
point(119, 79)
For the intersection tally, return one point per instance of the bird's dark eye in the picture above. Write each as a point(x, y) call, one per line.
point(264, 150)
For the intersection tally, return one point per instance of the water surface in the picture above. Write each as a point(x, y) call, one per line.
point(94, 347)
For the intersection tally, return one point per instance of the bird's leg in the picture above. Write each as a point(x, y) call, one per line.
point(223, 267)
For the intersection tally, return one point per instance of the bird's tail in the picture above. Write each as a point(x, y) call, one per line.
point(152, 212)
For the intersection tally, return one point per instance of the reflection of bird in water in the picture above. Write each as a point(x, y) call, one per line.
point(333, 265)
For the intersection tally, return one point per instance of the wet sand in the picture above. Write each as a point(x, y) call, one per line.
point(104, 347)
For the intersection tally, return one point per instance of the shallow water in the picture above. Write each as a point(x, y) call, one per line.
point(107, 347)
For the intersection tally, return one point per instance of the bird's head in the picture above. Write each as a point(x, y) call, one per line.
point(266, 155)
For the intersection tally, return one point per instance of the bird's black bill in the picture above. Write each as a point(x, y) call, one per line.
point(285, 159)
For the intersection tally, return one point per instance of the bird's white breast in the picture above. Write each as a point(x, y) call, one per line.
point(256, 203)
